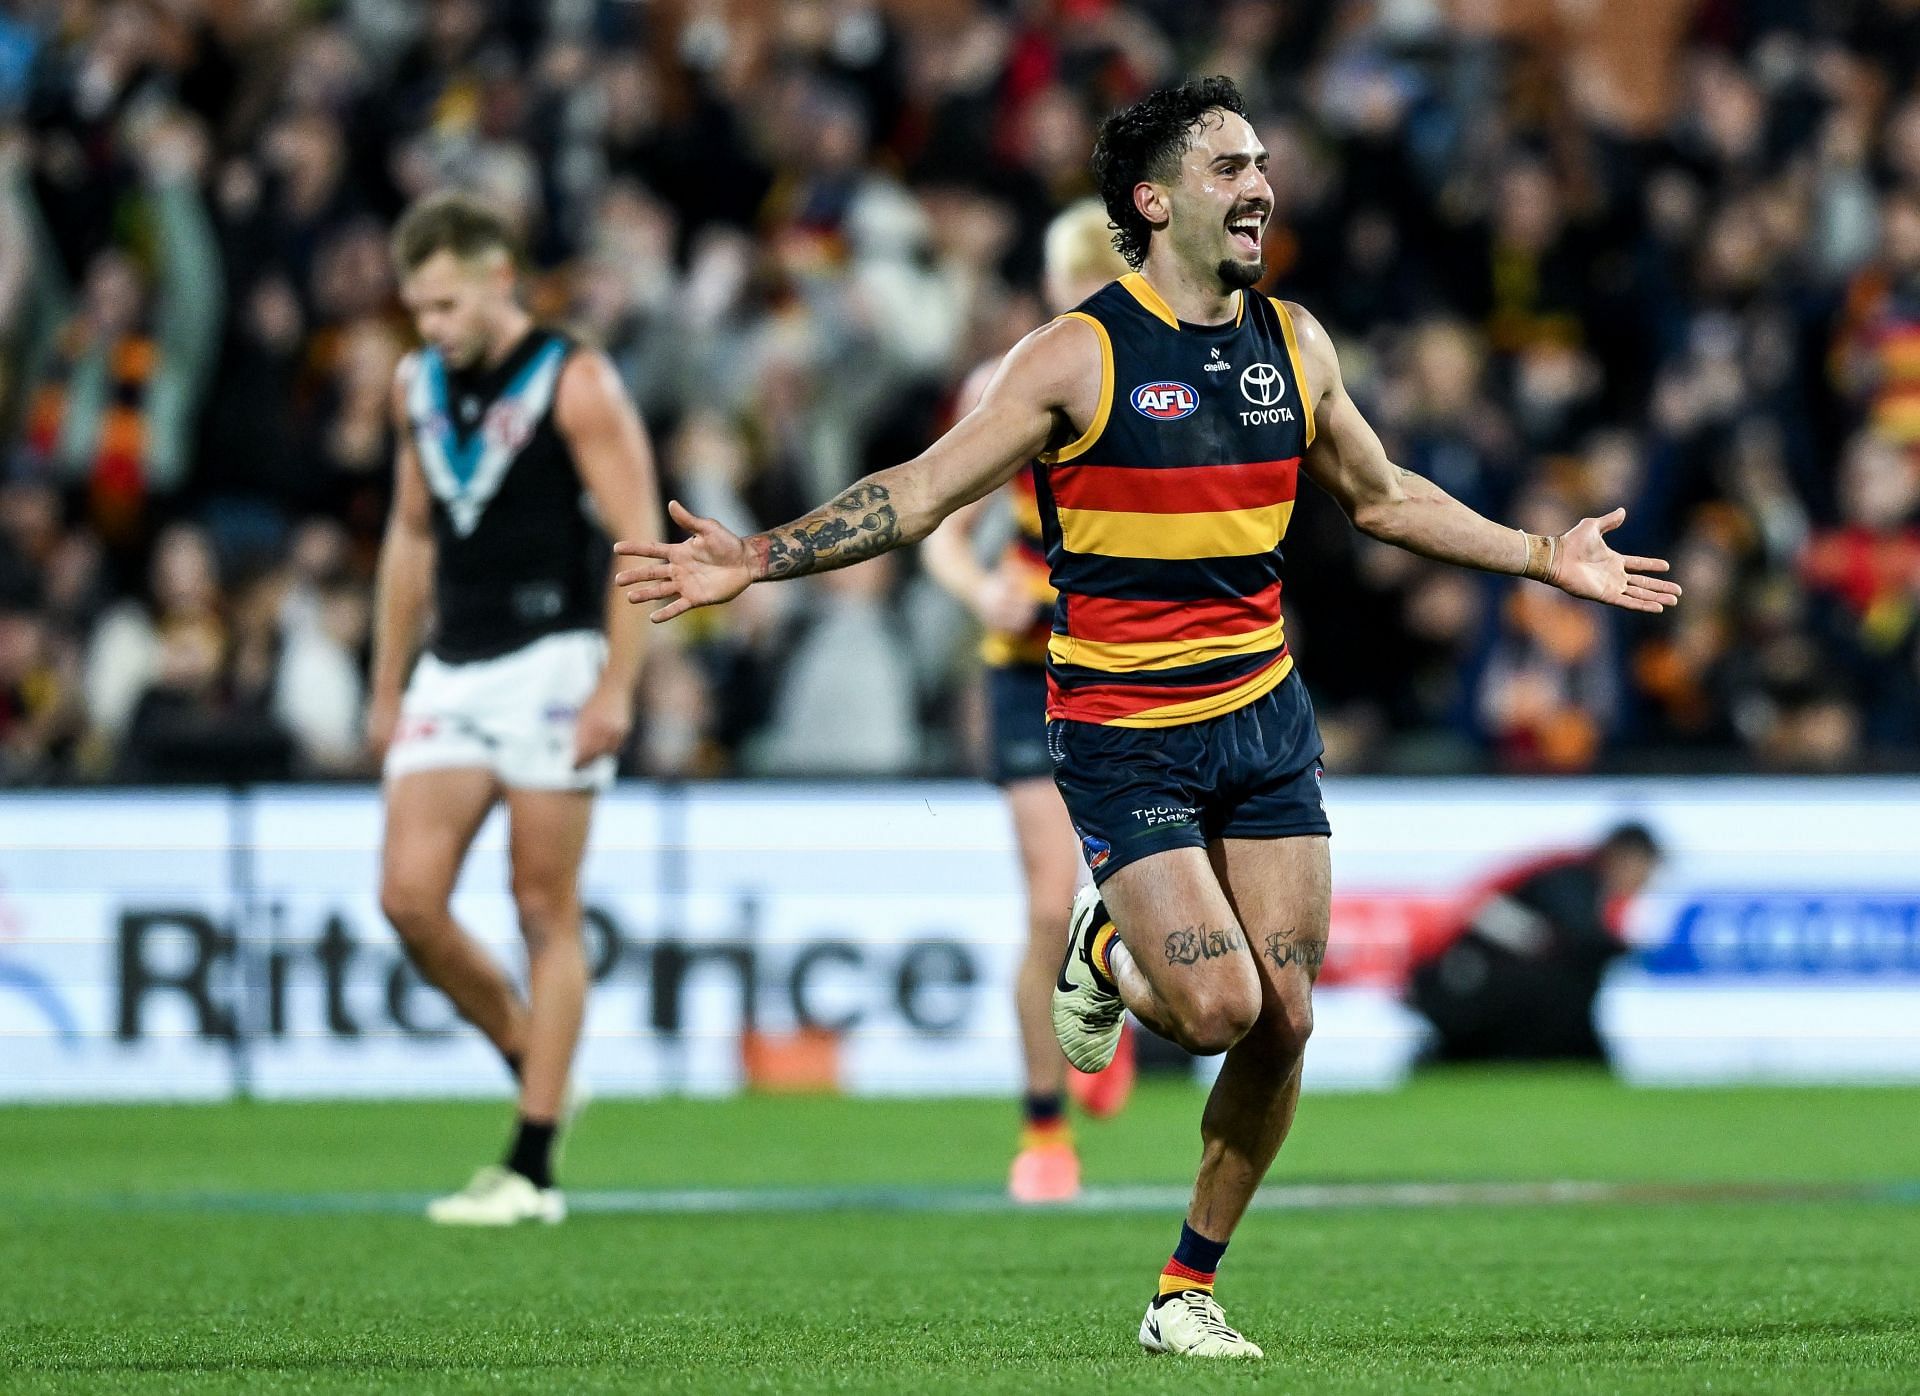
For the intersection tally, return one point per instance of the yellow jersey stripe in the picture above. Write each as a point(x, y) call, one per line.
point(1150, 300)
point(1293, 353)
point(1134, 656)
point(1105, 408)
point(1175, 537)
point(1200, 709)
point(1001, 651)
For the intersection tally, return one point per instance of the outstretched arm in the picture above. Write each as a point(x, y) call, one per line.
point(1046, 388)
point(1397, 506)
point(615, 459)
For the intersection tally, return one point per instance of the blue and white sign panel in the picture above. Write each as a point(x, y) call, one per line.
point(188, 945)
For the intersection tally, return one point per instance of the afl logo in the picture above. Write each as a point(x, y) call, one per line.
point(1165, 402)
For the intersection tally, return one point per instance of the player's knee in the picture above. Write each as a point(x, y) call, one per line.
point(414, 910)
point(1216, 1022)
point(1046, 935)
point(1285, 1028)
point(547, 911)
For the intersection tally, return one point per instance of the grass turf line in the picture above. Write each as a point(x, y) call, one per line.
point(1730, 1297)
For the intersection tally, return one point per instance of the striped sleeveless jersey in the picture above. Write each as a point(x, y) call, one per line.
point(1025, 554)
point(1163, 521)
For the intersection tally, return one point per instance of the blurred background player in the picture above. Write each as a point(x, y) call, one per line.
point(1182, 740)
point(1014, 603)
point(515, 447)
point(1520, 979)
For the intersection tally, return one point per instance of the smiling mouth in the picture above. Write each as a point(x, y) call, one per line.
point(1245, 230)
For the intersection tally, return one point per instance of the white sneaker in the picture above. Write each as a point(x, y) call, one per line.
point(1087, 1016)
point(498, 1196)
point(1190, 1324)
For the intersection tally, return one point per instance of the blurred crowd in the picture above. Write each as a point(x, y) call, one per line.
point(1663, 254)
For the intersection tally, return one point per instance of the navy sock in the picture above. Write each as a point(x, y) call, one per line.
point(532, 1153)
point(1196, 1252)
point(1044, 1110)
point(1193, 1264)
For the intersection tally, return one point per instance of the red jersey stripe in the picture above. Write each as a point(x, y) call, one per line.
point(1110, 702)
point(1128, 622)
point(1190, 489)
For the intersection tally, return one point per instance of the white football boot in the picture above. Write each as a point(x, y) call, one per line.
point(1190, 1324)
point(1087, 1015)
point(498, 1196)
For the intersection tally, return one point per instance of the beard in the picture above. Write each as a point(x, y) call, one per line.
point(1237, 275)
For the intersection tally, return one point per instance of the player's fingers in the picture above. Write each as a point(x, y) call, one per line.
point(656, 552)
point(1646, 564)
point(1660, 599)
point(1655, 584)
point(652, 591)
point(1626, 601)
point(689, 520)
point(667, 613)
point(652, 572)
point(1609, 522)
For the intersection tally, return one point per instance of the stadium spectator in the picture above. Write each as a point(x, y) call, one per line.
point(112, 405)
point(1671, 256)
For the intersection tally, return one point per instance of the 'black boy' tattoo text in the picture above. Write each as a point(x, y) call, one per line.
point(1291, 948)
point(1197, 943)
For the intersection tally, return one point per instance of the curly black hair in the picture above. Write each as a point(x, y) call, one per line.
point(1145, 142)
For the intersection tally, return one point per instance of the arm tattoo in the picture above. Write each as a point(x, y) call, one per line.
point(858, 524)
point(1197, 943)
point(1291, 948)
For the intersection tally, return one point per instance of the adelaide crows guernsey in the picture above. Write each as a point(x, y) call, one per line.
point(1025, 554)
point(517, 555)
point(1163, 521)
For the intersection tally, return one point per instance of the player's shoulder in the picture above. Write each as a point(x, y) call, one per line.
point(583, 367)
point(1051, 364)
point(406, 373)
point(1318, 357)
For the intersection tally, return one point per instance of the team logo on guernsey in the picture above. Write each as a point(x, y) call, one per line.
point(1262, 385)
point(1165, 401)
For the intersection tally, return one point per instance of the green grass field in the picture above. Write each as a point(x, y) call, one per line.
point(1756, 1241)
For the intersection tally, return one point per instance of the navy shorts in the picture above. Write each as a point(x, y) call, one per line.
point(1017, 722)
point(1253, 773)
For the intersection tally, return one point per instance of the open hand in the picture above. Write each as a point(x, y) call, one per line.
point(1586, 567)
point(711, 566)
point(383, 719)
point(602, 726)
point(1005, 603)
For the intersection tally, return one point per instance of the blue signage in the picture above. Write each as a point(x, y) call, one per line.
point(1828, 934)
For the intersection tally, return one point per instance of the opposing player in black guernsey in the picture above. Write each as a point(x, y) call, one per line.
point(1170, 416)
point(519, 452)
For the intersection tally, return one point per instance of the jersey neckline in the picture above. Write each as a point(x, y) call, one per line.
point(1136, 285)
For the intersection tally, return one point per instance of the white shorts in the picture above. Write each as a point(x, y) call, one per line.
point(513, 715)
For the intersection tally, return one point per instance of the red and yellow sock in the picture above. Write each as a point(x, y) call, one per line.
point(1102, 952)
point(1177, 1278)
point(1046, 1121)
point(1193, 1265)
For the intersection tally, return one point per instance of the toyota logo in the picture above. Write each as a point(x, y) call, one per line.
point(1262, 385)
